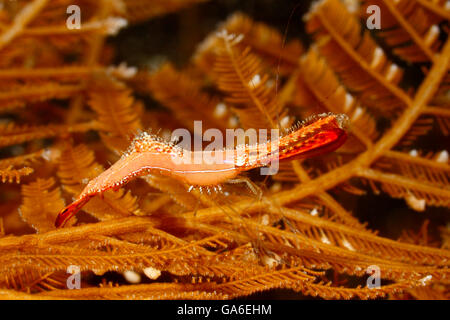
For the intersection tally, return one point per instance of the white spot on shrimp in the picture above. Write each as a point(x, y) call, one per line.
point(240, 161)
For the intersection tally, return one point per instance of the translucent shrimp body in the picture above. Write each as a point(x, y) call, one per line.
point(148, 154)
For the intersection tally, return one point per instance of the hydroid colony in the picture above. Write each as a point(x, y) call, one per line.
point(68, 113)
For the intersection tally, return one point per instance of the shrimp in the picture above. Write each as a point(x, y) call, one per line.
point(149, 154)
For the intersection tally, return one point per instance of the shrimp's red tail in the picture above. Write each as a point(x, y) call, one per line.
point(68, 212)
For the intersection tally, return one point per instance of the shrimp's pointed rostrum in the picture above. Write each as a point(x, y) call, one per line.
point(148, 154)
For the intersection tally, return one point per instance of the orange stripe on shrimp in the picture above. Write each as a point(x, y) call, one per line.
point(148, 154)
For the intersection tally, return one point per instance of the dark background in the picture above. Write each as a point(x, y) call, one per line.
point(176, 35)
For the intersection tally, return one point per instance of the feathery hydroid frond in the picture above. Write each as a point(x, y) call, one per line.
point(266, 42)
point(41, 204)
point(411, 30)
point(184, 97)
point(10, 174)
point(239, 73)
point(356, 58)
point(13, 134)
point(302, 232)
point(118, 114)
